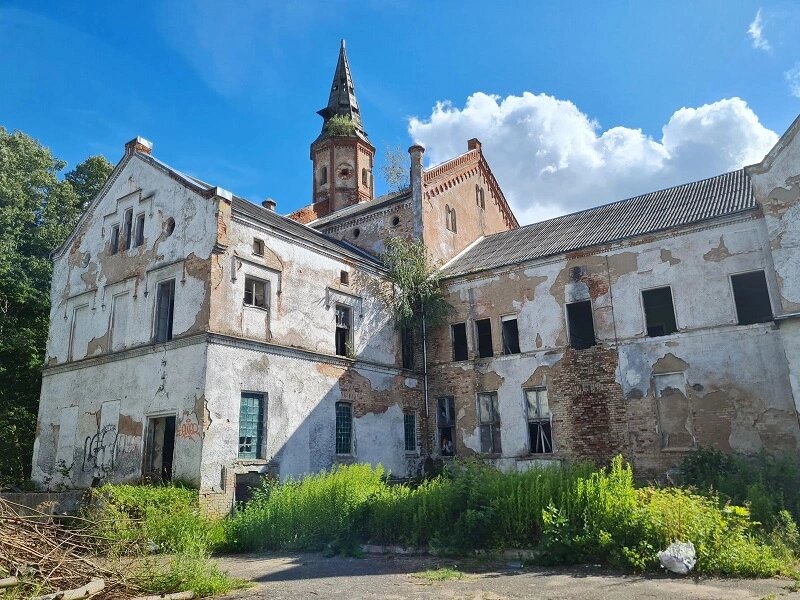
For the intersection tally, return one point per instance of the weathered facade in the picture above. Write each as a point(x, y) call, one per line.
point(197, 336)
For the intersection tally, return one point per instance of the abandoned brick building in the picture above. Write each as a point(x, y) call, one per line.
point(197, 336)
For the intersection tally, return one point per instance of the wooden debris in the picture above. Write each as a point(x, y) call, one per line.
point(8, 582)
point(175, 596)
point(89, 590)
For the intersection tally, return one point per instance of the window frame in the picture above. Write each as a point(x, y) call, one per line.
point(413, 432)
point(168, 334)
point(493, 425)
point(114, 241)
point(569, 329)
point(538, 419)
point(644, 309)
point(450, 423)
point(261, 427)
point(128, 228)
point(258, 247)
point(256, 280)
point(478, 338)
point(733, 296)
point(349, 327)
point(350, 432)
point(139, 227)
point(505, 319)
point(453, 342)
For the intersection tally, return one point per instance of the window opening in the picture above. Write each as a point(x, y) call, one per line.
point(580, 325)
point(344, 278)
point(251, 426)
point(448, 223)
point(323, 175)
point(489, 419)
point(446, 424)
point(510, 335)
point(115, 239)
point(540, 428)
point(356, 232)
point(483, 329)
point(395, 221)
point(344, 428)
point(160, 446)
point(255, 292)
point(659, 312)
point(364, 177)
point(139, 229)
point(128, 229)
point(165, 305)
point(458, 332)
point(751, 297)
point(170, 227)
point(258, 247)
point(410, 431)
point(407, 347)
point(344, 325)
point(453, 223)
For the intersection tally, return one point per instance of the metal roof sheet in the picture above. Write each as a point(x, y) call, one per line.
point(664, 209)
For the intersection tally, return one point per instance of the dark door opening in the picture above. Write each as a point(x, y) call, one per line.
point(160, 449)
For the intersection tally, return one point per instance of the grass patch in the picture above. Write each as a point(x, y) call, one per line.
point(440, 574)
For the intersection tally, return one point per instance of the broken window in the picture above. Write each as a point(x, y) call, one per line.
point(258, 247)
point(344, 278)
point(489, 419)
point(128, 228)
point(165, 305)
point(344, 327)
point(510, 334)
point(458, 333)
point(344, 428)
point(659, 313)
point(410, 431)
point(580, 325)
point(114, 239)
point(160, 448)
point(483, 330)
point(446, 424)
point(251, 426)
point(255, 292)
point(139, 229)
point(751, 297)
point(540, 429)
point(407, 347)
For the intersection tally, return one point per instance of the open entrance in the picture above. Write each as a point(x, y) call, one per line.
point(160, 448)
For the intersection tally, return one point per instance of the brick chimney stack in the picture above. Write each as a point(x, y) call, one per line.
point(474, 144)
point(139, 144)
point(416, 151)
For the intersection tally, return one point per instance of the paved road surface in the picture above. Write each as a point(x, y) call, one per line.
point(317, 577)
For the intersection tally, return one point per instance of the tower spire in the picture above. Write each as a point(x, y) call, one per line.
point(342, 100)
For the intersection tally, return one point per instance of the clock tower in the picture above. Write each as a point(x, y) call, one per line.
point(342, 154)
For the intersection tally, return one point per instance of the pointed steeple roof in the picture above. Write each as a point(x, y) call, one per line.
point(342, 100)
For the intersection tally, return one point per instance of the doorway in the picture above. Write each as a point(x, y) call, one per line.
point(160, 448)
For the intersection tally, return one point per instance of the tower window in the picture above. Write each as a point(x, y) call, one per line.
point(450, 218)
point(323, 175)
point(364, 177)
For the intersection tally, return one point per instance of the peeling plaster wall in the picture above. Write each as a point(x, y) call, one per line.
point(374, 227)
point(737, 393)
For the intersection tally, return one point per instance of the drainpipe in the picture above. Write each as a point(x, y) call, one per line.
point(425, 360)
point(416, 151)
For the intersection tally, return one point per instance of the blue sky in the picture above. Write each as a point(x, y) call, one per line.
point(577, 103)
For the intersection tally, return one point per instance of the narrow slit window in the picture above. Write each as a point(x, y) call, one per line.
point(114, 239)
point(540, 428)
point(489, 420)
point(165, 305)
point(751, 297)
point(128, 228)
point(407, 347)
point(446, 424)
point(364, 177)
point(251, 426)
point(510, 335)
point(344, 328)
point(458, 333)
point(410, 431)
point(139, 229)
point(580, 325)
point(344, 278)
point(659, 312)
point(323, 175)
point(483, 330)
point(344, 428)
point(255, 292)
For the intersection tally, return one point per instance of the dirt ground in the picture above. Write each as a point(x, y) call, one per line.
point(393, 577)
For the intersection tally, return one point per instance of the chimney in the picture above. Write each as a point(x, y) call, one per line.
point(474, 144)
point(416, 151)
point(139, 144)
point(269, 204)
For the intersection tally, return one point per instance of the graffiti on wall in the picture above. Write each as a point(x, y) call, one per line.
point(188, 428)
point(99, 451)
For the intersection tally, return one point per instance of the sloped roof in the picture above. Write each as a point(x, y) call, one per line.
point(363, 207)
point(672, 207)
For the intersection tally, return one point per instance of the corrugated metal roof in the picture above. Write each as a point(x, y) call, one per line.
point(673, 207)
point(357, 209)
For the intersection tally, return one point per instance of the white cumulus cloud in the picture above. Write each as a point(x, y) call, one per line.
point(550, 158)
point(793, 78)
point(756, 33)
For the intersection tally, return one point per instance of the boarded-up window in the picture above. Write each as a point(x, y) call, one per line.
point(344, 428)
point(251, 426)
point(458, 333)
point(165, 306)
point(540, 431)
point(407, 347)
point(446, 424)
point(483, 331)
point(344, 327)
point(674, 411)
point(120, 308)
point(580, 324)
point(80, 333)
point(510, 335)
point(489, 419)
point(659, 312)
point(410, 431)
point(751, 297)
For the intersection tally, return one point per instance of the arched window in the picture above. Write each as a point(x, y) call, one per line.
point(479, 198)
point(364, 177)
point(447, 217)
point(454, 227)
point(323, 175)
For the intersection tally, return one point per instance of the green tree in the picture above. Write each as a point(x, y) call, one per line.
point(396, 169)
point(37, 212)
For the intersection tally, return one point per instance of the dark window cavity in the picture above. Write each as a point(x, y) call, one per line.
point(356, 232)
point(128, 228)
point(540, 429)
point(458, 333)
point(407, 347)
point(258, 247)
point(344, 327)
point(114, 239)
point(395, 221)
point(659, 313)
point(510, 335)
point(483, 330)
point(446, 424)
point(344, 428)
point(139, 230)
point(410, 431)
point(580, 325)
point(751, 297)
point(323, 175)
point(165, 305)
point(170, 226)
point(344, 278)
point(255, 292)
point(489, 419)
point(251, 426)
